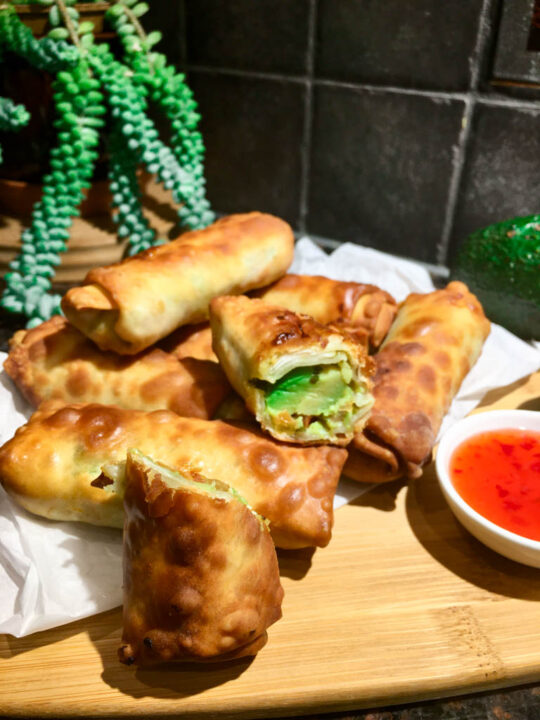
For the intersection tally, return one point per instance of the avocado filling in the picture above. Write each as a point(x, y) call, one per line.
point(317, 400)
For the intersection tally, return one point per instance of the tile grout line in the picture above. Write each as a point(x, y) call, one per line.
point(305, 152)
point(455, 180)
point(482, 98)
point(464, 135)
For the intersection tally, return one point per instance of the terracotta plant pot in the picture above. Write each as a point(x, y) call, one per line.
point(17, 198)
point(37, 18)
point(93, 240)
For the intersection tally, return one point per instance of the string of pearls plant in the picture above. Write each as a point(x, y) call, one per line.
point(96, 94)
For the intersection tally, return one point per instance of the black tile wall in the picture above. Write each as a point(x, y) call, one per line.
point(394, 124)
point(169, 18)
point(408, 43)
point(513, 60)
point(252, 129)
point(264, 35)
point(501, 178)
point(377, 157)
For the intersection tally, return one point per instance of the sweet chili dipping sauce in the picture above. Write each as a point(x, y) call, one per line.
point(498, 474)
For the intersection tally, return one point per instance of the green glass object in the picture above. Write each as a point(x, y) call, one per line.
point(501, 266)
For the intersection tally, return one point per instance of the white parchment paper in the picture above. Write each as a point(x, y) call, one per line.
point(52, 573)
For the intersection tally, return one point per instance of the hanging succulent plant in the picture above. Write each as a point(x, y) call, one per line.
point(98, 95)
point(12, 116)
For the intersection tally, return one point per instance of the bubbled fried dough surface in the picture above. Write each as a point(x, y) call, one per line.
point(332, 301)
point(292, 486)
point(435, 340)
point(201, 578)
point(269, 326)
point(56, 361)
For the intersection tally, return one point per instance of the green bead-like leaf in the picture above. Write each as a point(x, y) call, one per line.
point(116, 10)
point(54, 16)
point(140, 9)
point(59, 33)
point(153, 38)
point(87, 40)
point(85, 27)
point(124, 30)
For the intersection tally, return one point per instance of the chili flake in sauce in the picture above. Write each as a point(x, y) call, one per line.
point(498, 474)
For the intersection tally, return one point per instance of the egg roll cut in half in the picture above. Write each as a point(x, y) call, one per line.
point(130, 305)
point(80, 452)
point(353, 305)
point(304, 382)
point(201, 577)
point(435, 340)
point(56, 361)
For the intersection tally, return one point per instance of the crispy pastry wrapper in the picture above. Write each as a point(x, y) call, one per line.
point(356, 306)
point(190, 341)
point(434, 342)
point(128, 306)
point(56, 361)
point(260, 343)
point(201, 577)
point(67, 463)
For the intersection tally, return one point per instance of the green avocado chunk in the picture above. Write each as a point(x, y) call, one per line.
point(309, 391)
point(500, 264)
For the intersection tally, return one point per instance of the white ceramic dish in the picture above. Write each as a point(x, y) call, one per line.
point(503, 541)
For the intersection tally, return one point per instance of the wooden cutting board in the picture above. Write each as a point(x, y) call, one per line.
point(402, 605)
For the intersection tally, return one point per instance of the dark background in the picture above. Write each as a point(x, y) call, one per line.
point(398, 124)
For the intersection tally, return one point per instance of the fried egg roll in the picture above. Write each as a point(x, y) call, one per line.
point(128, 306)
point(201, 578)
point(67, 463)
point(304, 382)
point(434, 342)
point(354, 305)
point(56, 361)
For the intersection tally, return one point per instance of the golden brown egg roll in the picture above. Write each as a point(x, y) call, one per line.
point(67, 463)
point(434, 342)
point(354, 305)
point(201, 578)
point(128, 306)
point(190, 341)
point(56, 361)
point(304, 382)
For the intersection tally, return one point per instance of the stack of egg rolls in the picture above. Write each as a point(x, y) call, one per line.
point(127, 388)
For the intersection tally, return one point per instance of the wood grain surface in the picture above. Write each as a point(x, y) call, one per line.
point(402, 605)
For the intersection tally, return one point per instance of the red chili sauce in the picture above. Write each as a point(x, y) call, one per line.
point(498, 474)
